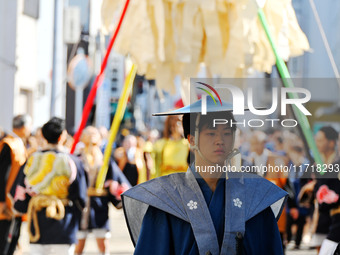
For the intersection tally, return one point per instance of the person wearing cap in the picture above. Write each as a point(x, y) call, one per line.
point(206, 210)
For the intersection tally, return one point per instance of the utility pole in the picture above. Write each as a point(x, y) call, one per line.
point(58, 88)
point(54, 65)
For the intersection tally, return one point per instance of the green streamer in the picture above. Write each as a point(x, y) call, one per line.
point(288, 83)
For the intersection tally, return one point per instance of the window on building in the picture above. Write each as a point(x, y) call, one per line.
point(25, 100)
point(31, 8)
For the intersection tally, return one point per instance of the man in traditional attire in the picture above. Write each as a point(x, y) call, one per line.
point(12, 157)
point(328, 190)
point(328, 197)
point(325, 140)
point(52, 190)
point(206, 210)
point(95, 216)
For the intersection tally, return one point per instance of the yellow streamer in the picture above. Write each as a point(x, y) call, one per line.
point(115, 126)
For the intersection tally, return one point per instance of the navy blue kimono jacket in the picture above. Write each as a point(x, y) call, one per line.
point(167, 226)
point(58, 231)
point(99, 209)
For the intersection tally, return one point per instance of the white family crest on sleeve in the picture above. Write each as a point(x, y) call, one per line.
point(237, 202)
point(192, 205)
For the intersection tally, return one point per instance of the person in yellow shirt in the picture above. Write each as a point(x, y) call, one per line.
point(171, 152)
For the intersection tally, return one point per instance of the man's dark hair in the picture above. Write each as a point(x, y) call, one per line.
point(20, 121)
point(330, 133)
point(52, 129)
point(189, 121)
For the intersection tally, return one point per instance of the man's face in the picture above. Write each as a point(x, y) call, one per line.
point(24, 132)
point(28, 131)
point(129, 142)
point(216, 143)
point(91, 136)
point(322, 143)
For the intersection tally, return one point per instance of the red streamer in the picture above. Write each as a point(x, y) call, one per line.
point(98, 81)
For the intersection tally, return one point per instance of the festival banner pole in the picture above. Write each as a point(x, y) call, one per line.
point(98, 81)
point(115, 126)
point(288, 83)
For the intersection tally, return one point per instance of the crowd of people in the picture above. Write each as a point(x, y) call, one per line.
point(56, 192)
point(305, 215)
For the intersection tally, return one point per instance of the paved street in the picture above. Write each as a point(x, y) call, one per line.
point(304, 250)
point(120, 243)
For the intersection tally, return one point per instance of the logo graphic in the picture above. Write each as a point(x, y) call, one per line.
point(239, 99)
point(204, 97)
point(245, 100)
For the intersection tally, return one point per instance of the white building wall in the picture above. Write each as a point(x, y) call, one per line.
point(42, 95)
point(60, 65)
point(26, 60)
point(8, 10)
point(316, 64)
point(34, 52)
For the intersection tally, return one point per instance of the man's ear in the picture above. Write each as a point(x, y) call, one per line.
point(191, 139)
point(62, 137)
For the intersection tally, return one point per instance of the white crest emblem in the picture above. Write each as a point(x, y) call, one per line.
point(192, 205)
point(237, 202)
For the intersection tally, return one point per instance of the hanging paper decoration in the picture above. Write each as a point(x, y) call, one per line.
point(166, 38)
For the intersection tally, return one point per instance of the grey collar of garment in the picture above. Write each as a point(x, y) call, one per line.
point(179, 194)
